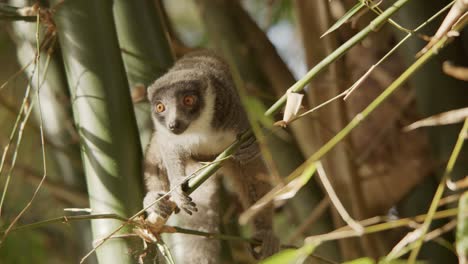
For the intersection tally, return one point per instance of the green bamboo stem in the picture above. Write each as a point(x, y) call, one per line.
point(337, 53)
point(373, 105)
point(440, 190)
point(67, 219)
point(462, 228)
point(298, 86)
point(204, 174)
point(143, 37)
point(76, 218)
point(146, 51)
point(344, 231)
point(355, 122)
point(104, 116)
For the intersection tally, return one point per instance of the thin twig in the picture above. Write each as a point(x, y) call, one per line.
point(377, 10)
point(36, 191)
point(371, 107)
point(337, 53)
point(336, 201)
point(15, 127)
point(14, 157)
point(408, 35)
point(430, 236)
point(346, 232)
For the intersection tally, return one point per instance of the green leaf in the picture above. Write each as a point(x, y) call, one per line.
point(361, 261)
point(290, 256)
point(284, 256)
point(345, 18)
point(400, 261)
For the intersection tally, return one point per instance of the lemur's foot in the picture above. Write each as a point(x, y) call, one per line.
point(184, 202)
point(270, 244)
point(163, 208)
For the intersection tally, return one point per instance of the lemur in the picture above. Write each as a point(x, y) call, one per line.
point(197, 113)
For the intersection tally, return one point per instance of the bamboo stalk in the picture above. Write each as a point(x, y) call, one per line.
point(103, 114)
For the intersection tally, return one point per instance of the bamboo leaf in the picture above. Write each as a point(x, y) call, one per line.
point(291, 255)
point(293, 105)
point(446, 118)
point(454, 71)
point(284, 256)
point(361, 261)
point(337, 53)
point(354, 10)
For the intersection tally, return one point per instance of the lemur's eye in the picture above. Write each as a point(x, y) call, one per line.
point(189, 100)
point(160, 108)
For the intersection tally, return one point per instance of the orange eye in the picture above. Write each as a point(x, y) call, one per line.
point(189, 100)
point(160, 108)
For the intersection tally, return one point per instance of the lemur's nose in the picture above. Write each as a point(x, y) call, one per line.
point(174, 125)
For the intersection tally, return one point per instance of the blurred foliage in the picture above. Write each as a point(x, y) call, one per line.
point(25, 248)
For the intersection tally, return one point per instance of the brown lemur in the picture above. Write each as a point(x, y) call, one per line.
point(197, 113)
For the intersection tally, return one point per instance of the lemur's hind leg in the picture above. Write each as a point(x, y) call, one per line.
point(251, 182)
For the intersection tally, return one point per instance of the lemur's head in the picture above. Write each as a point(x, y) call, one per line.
point(177, 105)
point(189, 97)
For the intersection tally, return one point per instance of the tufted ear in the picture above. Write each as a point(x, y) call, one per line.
point(150, 92)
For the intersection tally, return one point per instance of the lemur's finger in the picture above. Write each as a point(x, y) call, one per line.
point(187, 211)
point(165, 210)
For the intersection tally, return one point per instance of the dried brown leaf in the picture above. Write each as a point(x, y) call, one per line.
point(456, 72)
point(456, 13)
point(446, 118)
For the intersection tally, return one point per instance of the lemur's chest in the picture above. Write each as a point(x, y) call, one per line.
point(202, 144)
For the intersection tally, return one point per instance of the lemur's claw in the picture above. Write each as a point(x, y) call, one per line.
point(184, 202)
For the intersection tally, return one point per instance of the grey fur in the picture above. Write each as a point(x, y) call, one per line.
point(170, 156)
point(208, 67)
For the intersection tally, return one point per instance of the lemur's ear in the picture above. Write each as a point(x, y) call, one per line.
point(150, 91)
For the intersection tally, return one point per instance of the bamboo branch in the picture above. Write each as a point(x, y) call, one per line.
point(439, 191)
point(299, 85)
point(346, 232)
point(337, 53)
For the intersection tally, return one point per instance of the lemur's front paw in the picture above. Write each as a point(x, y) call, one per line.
point(184, 202)
point(163, 208)
point(270, 244)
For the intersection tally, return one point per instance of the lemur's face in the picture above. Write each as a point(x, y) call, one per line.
point(178, 105)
